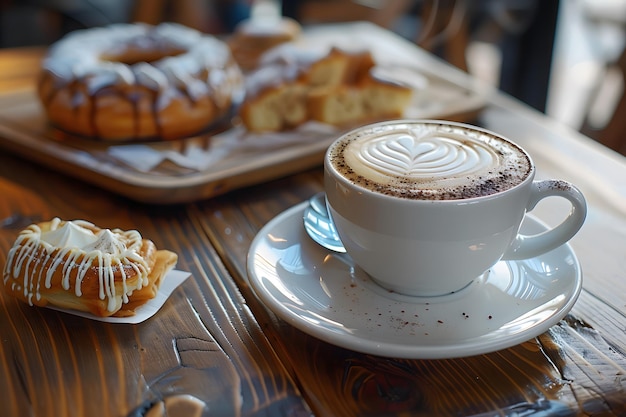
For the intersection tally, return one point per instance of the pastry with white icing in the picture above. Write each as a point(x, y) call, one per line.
point(293, 85)
point(77, 265)
point(138, 82)
point(253, 37)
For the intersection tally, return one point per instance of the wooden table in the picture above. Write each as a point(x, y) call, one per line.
point(214, 349)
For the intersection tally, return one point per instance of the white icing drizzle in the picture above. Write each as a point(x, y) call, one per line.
point(75, 248)
point(288, 61)
point(281, 64)
point(112, 73)
point(294, 55)
point(79, 56)
point(151, 77)
point(268, 26)
point(270, 76)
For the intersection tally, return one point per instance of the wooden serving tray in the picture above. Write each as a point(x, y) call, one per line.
point(201, 167)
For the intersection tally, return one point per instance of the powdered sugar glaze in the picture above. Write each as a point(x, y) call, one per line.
point(80, 56)
point(430, 161)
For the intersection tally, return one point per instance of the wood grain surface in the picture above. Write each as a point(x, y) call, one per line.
point(214, 345)
point(215, 350)
point(572, 369)
point(204, 350)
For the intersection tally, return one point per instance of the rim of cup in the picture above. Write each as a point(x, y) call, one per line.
point(529, 176)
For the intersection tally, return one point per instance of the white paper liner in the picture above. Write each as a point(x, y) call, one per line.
point(170, 282)
point(221, 147)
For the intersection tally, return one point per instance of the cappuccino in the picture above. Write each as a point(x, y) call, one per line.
point(429, 160)
point(396, 192)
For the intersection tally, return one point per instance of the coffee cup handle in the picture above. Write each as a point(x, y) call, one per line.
point(525, 247)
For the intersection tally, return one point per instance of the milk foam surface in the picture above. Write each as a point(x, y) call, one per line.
point(429, 161)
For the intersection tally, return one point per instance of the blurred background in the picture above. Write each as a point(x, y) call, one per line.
point(564, 58)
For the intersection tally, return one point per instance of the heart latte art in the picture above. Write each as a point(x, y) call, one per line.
point(429, 161)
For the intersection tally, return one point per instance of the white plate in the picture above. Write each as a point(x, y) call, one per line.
point(326, 296)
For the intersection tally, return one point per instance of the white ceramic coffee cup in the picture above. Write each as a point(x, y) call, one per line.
point(434, 245)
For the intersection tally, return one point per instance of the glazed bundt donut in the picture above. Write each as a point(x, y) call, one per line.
point(138, 82)
point(77, 265)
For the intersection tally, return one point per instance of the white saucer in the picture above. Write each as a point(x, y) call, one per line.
point(326, 296)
